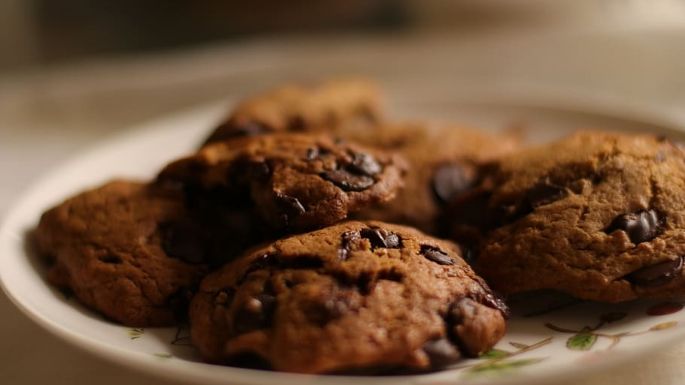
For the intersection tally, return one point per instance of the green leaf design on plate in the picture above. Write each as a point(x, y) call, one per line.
point(501, 366)
point(581, 341)
point(162, 355)
point(135, 333)
point(495, 353)
point(664, 326)
point(518, 345)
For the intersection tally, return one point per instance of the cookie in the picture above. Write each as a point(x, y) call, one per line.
point(600, 216)
point(359, 297)
point(443, 162)
point(324, 107)
point(110, 246)
point(294, 182)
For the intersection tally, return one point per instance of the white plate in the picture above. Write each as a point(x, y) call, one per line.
point(536, 348)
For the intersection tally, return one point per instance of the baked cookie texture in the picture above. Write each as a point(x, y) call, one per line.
point(359, 297)
point(443, 163)
point(109, 247)
point(293, 181)
point(598, 215)
point(322, 107)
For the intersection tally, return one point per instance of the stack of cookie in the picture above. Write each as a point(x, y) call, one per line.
point(295, 238)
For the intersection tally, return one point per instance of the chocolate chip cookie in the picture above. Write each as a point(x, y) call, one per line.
point(110, 246)
point(327, 107)
point(598, 215)
point(443, 162)
point(359, 297)
point(294, 181)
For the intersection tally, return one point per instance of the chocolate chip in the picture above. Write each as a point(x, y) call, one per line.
point(468, 253)
point(184, 240)
point(256, 170)
point(658, 274)
point(345, 241)
point(348, 181)
point(364, 164)
point(249, 128)
point(381, 238)
point(642, 226)
point(441, 352)
point(436, 255)
point(111, 259)
point(232, 129)
point(448, 181)
point(254, 314)
point(544, 193)
point(312, 153)
point(289, 206)
point(491, 300)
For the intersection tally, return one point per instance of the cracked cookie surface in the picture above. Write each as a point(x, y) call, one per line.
point(111, 248)
point(325, 107)
point(293, 181)
point(356, 297)
point(598, 215)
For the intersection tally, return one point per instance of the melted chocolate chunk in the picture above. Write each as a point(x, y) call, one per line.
point(347, 180)
point(450, 180)
point(642, 226)
point(232, 129)
point(184, 240)
point(312, 153)
point(364, 164)
point(381, 238)
point(441, 353)
point(290, 207)
point(492, 300)
point(256, 313)
point(469, 254)
point(436, 255)
point(345, 243)
point(544, 193)
point(257, 170)
point(656, 275)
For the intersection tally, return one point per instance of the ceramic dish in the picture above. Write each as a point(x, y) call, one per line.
point(548, 337)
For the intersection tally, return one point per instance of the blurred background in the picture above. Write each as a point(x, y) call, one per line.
point(38, 33)
point(75, 71)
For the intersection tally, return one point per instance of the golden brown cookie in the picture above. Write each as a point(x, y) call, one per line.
point(293, 181)
point(596, 215)
point(323, 107)
point(111, 248)
point(362, 297)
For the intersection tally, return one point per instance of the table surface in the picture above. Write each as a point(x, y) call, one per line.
point(47, 116)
